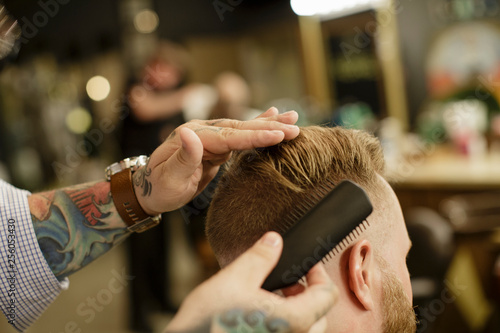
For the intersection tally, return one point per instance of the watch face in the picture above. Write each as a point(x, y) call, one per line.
point(132, 162)
point(464, 54)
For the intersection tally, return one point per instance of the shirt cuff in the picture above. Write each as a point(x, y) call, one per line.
point(27, 284)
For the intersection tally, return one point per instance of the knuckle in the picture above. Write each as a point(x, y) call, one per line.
point(237, 124)
point(181, 158)
point(192, 124)
point(230, 123)
point(227, 132)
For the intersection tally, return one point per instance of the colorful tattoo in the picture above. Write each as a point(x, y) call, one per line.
point(76, 225)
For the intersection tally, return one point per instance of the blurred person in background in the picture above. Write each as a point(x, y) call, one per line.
point(153, 109)
point(229, 97)
point(157, 102)
point(233, 98)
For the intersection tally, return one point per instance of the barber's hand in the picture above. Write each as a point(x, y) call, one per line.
point(233, 299)
point(181, 167)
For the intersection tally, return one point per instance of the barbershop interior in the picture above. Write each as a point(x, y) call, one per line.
point(423, 76)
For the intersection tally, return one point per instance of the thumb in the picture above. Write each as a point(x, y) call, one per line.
point(253, 266)
point(184, 162)
point(319, 327)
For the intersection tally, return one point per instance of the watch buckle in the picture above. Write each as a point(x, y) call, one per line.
point(145, 224)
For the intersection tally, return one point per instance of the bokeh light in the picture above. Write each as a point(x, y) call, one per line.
point(322, 7)
point(79, 120)
point(98, 88)
point(146, 21)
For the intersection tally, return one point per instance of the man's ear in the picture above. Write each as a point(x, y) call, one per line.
point(361, 273)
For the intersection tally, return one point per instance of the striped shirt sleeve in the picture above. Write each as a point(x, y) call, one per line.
point(27, 284)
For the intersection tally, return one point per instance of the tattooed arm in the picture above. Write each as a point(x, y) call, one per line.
point(75, 225)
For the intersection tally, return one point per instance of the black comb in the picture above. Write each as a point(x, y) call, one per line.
point(322, 226)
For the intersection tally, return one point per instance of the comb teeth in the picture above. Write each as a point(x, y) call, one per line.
point(351, 237)
point(307, 204)
point(326, 228)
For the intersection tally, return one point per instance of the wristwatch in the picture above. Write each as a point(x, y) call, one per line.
point(119, 175)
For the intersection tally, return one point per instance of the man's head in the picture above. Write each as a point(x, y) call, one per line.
point(262, 186)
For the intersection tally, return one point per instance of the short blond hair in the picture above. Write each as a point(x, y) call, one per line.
point(260, 186)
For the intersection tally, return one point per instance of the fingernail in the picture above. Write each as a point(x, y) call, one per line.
point(288, 112)
point(271, 239)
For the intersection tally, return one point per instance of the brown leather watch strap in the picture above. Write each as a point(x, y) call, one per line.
point(122, 190)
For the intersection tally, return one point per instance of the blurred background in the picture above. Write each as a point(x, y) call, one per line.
point(90, 82)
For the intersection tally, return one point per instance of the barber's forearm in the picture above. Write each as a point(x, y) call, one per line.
point(76, 225)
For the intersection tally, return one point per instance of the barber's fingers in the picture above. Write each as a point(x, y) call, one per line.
point(317, 275)
point(269, 121)
point(273, 123)
point(293, 290)
point(319, 327)
point(228, 139)
point(319, 297)
point(253, 266)
point(209, 173)
point(272, 111)
point(186, 160)
point(290, 117)
point(221, 136)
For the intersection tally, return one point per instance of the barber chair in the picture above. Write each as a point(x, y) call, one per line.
point(429, 258)
point(475, 218)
